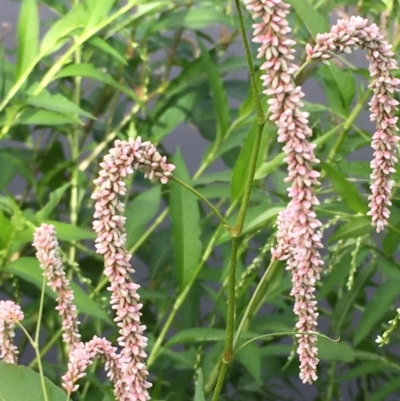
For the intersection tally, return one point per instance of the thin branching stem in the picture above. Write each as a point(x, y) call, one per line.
point(236, 231)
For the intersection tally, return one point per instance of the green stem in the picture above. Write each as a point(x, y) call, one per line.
point(39, 362)
point(74, 199)
point(237, 229)
point(40, 312)
point(46, 348)
point(230, 321)
point(348, 124)
point(252, 305)
point(156, 350)
point(205, 200)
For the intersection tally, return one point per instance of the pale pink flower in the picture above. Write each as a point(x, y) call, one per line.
point(83, 355)
point(10, 314)
point(46, 244)
point(357, 32)
point(298, 227)
point(120, 162)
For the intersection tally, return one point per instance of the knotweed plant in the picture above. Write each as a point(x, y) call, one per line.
point(243, 236)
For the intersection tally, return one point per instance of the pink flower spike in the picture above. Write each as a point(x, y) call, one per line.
point(83, 355)
point(10, 314)
point(46, 244)
point(357, 32)
point(298, 233)
point(108, 223)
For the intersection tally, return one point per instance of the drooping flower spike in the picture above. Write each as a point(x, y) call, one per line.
point(298, 227)
point(10, 314)
point(118, 164)
point(357, 32)
point(83, 355)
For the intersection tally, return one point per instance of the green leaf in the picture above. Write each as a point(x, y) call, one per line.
point(139, 212)
point(366, 368)
point(220, 99)
point(45, 117)
point(332, 91)
point(175, 114)
point(376, 308)
point(391, 240)
point(197, 334)
point(334, 350)
point(13, 162)
point(106, 48)
point(314, 21)
point(54, 200)
point(87, 305)
point(392, 387)
point(358, 226)
point(193, 18)
point(345, 82)
point(241, 168)
point(96, 12)
point(89, 71)
point(346, 190)
point(250, 358)
point(28, 269)
point(6, 231)
point(61, 30)
point(19, 383)
point(199, 390)
point(57, 103)
point(68, 232)
point(185, 218)
point(219, 176)
point(28, 36)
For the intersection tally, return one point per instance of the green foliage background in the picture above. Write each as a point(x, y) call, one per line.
point(101, 70)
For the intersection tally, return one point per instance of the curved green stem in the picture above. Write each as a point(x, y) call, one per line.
point(205, 200)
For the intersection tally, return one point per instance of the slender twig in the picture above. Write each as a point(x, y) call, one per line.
point(204, 199)
point(255, 297)
point(237, 229)
point(156, 350)
point(74, 144)
point(35, 345)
